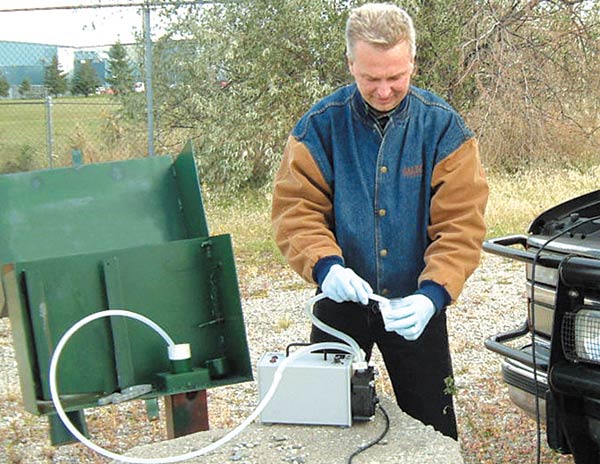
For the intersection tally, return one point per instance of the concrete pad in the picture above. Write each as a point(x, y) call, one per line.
point(407, 442)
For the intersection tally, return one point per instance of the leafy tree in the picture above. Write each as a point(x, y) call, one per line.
point(4, 86)
point(85, 81)
point(535, 66)
point(25, 87)
point(236, 76)
point(246, 72)
point(441, 34)
point(121, 75)
point(54, 78)
point(266, 62)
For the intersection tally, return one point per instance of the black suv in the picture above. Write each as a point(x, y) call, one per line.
point(551, 363)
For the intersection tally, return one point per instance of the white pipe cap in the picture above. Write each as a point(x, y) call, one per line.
point(180, 351)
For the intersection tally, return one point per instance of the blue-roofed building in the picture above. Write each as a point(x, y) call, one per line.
point(98, 64)
point(22, 60)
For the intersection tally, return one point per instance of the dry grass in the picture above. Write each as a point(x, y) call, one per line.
point(515, 199)
point(514, 202)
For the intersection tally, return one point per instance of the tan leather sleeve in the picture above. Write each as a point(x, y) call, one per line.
point(302, 211)
point(457, 226)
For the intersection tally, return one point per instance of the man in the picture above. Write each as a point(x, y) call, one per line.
point(381, 191)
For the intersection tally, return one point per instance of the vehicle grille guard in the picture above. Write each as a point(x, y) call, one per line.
point(503, 246)
point(574, 367)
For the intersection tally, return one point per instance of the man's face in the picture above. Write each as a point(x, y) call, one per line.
point(382, 75)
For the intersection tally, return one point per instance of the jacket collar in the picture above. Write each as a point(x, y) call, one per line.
point(366, 113)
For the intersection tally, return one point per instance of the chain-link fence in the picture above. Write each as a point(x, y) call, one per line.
point(91, 91)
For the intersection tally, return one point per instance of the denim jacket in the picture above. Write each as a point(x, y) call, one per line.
point(402, 207)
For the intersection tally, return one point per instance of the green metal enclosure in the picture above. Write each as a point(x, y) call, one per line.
point(120, 235)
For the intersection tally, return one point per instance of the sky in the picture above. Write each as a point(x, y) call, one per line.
point(77, 28)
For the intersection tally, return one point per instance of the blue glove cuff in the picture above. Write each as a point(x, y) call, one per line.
point(436, 293)
point(322, 267)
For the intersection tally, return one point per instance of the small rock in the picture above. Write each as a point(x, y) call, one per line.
point(237, 456)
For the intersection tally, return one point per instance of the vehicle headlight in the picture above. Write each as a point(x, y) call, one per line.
point(581, 336)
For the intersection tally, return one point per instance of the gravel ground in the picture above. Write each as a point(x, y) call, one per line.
point(492, 429)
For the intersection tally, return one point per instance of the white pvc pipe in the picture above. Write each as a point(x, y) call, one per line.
point(182, 457)
point(180, 352)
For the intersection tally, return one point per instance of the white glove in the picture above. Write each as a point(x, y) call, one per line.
point(342, 284)
point(409, 316)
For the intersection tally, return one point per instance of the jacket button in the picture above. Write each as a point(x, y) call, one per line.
point(382, 212)
point(385, 291)
point(383, 253)
point(383, 169)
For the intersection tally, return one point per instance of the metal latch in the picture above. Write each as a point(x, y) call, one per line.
point(126, 394)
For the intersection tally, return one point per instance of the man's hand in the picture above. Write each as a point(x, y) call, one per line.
point(342, 284)
point(409, 316)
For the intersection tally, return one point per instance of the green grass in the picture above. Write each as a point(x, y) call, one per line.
point(76, 121)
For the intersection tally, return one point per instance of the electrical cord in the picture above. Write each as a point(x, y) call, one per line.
point(376, 440)
point(534, 264)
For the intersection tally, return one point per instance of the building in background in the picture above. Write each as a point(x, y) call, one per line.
point(97, 58)
point(22, 61)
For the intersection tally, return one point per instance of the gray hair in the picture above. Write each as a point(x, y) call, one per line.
point(381, 24)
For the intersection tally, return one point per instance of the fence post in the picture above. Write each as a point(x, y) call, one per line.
point(149, 73)
point(49, 130)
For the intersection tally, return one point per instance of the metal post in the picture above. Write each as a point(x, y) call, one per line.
point(186, 413)
point(149, 72)
point(49, 130)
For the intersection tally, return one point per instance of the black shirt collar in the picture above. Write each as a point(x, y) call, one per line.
point(369, 113)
